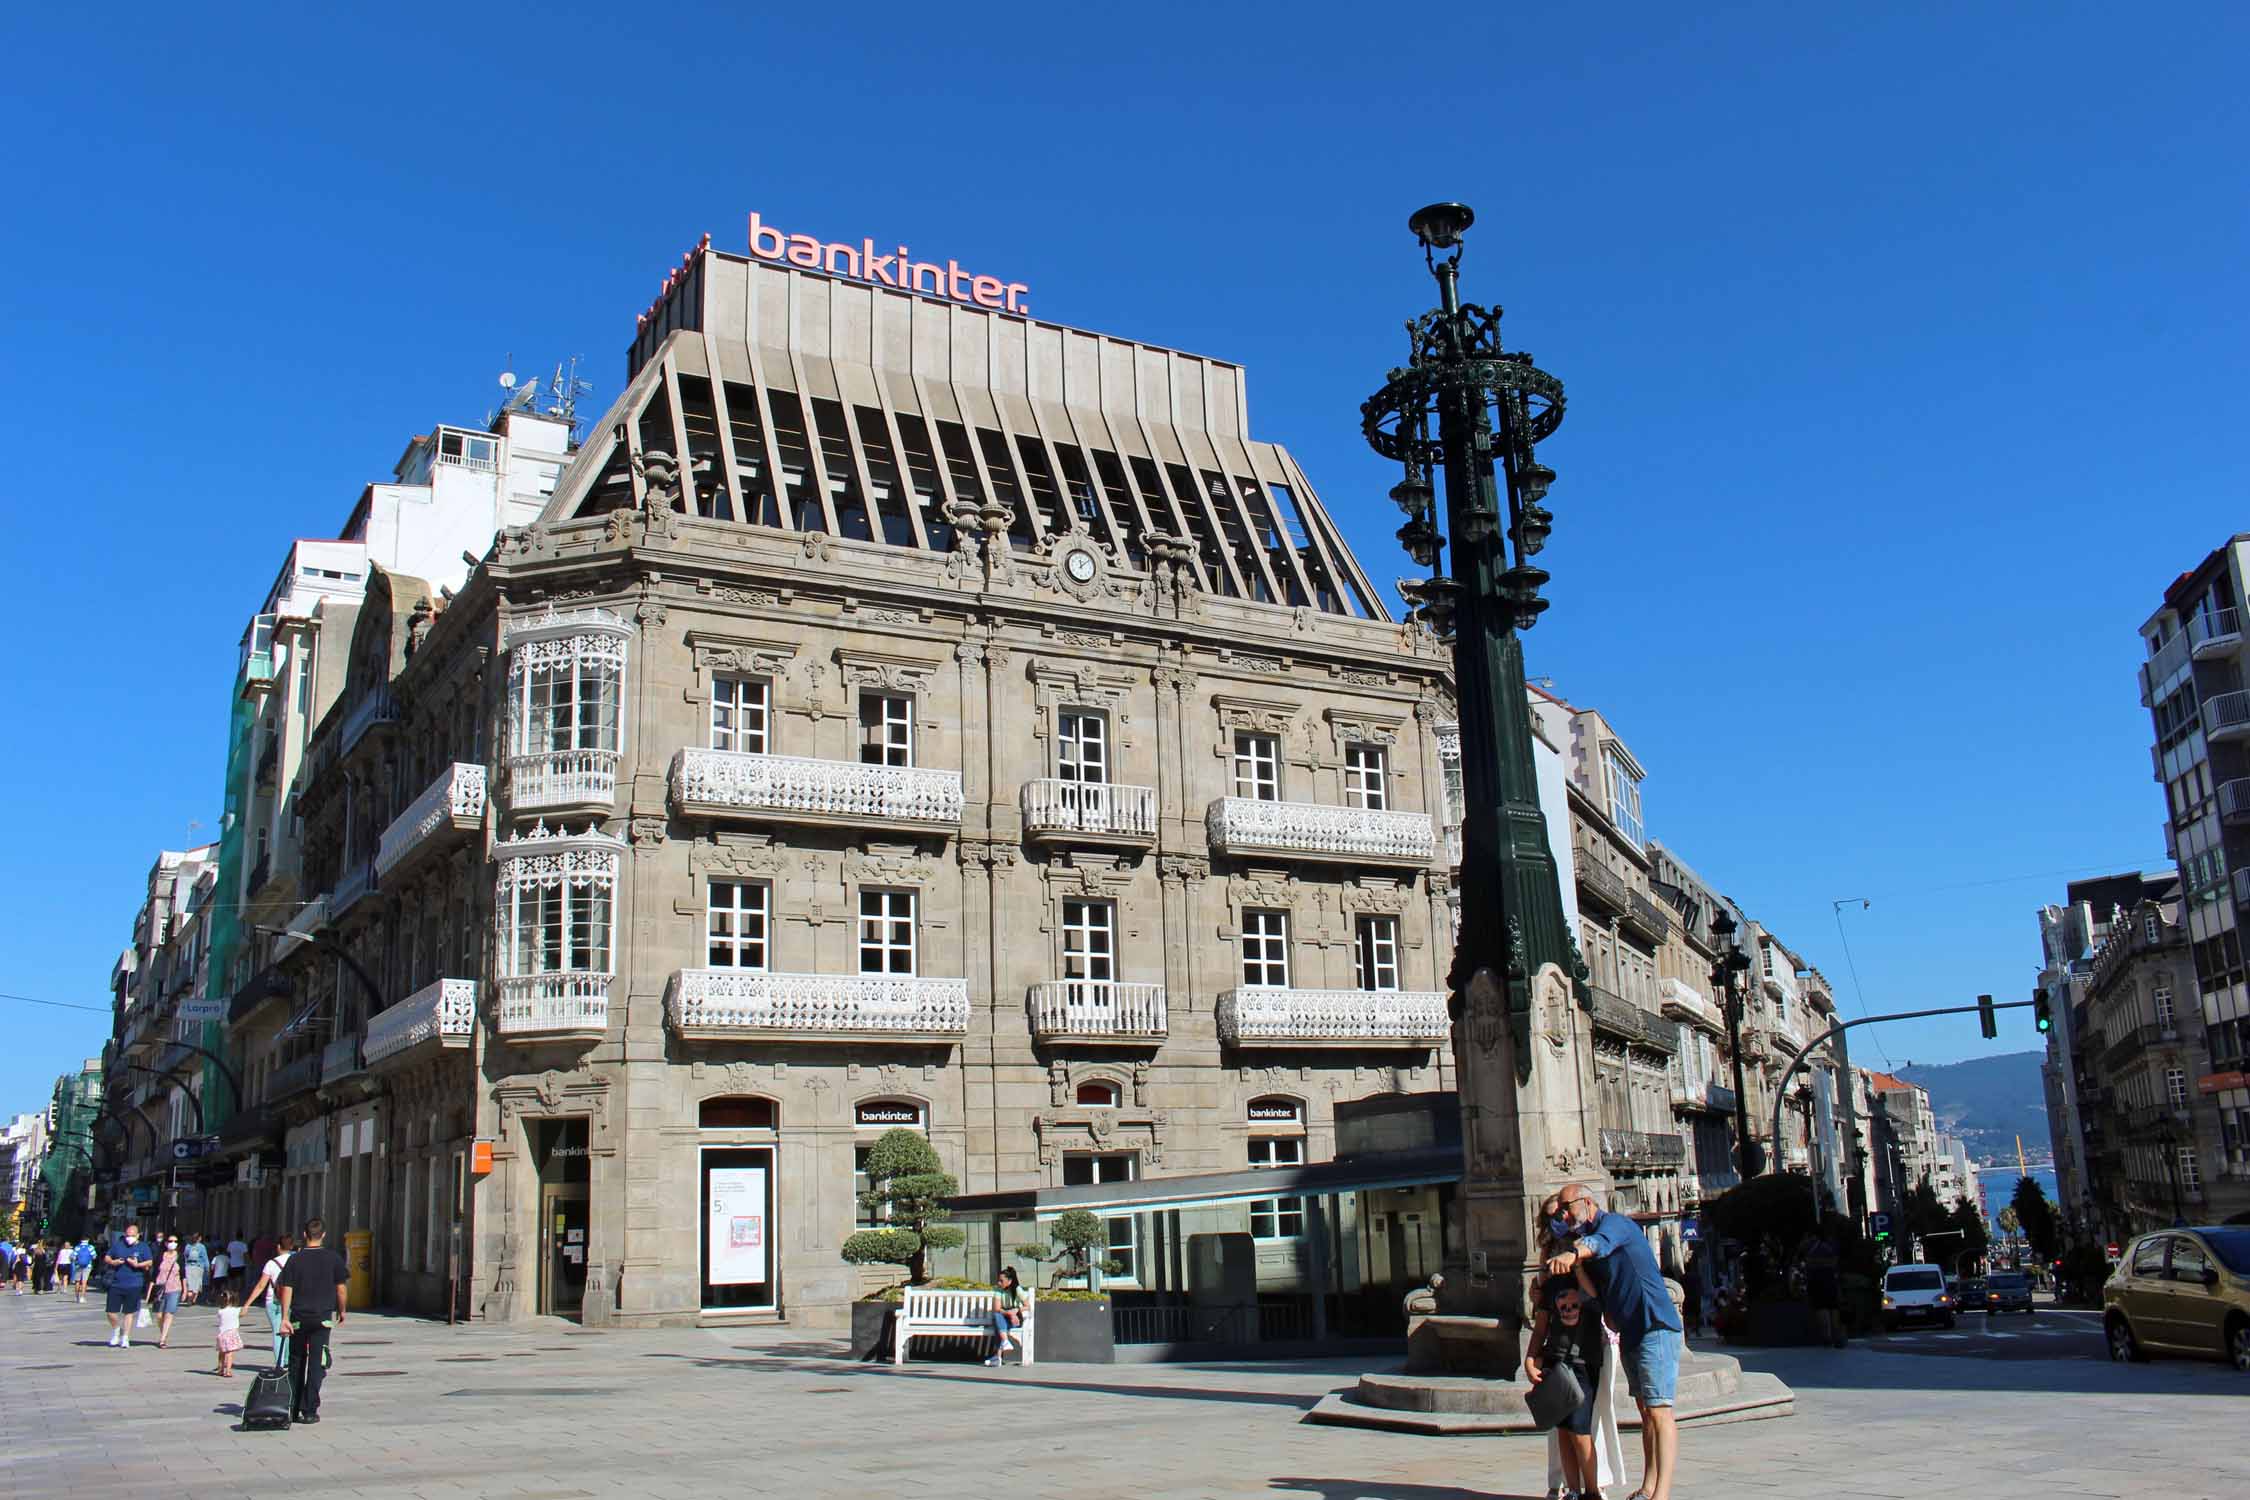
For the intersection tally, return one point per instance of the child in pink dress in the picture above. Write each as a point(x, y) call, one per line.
point(230, 1328)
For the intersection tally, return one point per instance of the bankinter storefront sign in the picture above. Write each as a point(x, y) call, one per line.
point(889, 266)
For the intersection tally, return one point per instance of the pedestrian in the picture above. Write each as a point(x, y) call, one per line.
point(1553, 1232)
point(268, 1285)
point(1008, 1306)
point(42, 1266)
point(1636, 1302)
point(241, 1257)
point(1575, 1342)
point(82, 1267)
point(221, 1267)
point(312, 1303)
point(164, 1289)
point(229, 1329)
point(1824, 1289)
point(128, 1261)
point(196, 1257)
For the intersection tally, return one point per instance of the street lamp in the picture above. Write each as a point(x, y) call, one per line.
point(2170, 1143)
point(1726, 975)
point(1467, 410)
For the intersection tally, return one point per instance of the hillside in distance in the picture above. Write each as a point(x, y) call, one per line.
point(1987, 1102)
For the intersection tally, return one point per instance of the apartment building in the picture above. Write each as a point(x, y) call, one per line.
point(1911, 1126)
point(23, 1144)
point(154, 1083)
point(1701, 1070)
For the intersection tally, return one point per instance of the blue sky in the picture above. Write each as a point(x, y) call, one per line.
point(1905, 351)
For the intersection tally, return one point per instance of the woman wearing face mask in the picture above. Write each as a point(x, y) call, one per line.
point(165, 1286)
point(1554, 1233)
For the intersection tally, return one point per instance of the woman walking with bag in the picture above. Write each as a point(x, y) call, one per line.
point(165, 1287)
point(264, 1286)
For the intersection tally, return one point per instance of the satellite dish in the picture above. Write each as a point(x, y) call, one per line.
point(507, 380)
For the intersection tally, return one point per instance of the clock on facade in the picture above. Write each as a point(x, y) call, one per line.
point(1080, 565)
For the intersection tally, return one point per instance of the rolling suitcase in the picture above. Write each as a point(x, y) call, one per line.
point(268, 1402)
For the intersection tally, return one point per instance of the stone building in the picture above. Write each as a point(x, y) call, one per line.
point(1702, 1075)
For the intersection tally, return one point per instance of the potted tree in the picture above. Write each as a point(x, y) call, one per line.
point(1073, 1325)
point(907, 1186)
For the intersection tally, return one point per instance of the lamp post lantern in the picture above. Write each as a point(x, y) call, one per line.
point(1726, 977)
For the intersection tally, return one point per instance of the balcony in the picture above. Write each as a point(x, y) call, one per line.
point(2234, 807)
point(256, 992)
point(377, 707)
point(2241, 879)
point(451, 805)
point(793, 789)
point(562, 780)
point(2215, 634)
point(350, 886)
point(1645, 919)
point(2226, 716)
point(340, 1059)
point(444, 1013)
point(742, 1004)
point(260, 873)
point(309, 920)
point(1615, 1014)
point(257, 673)
point(1314, 830)
point(2158, 669)
point(549, 1007)
point(1088, 812)
point(1097, 1010)
point(1598, 880)
point(1639, 1150)
point(298, 1076)
point(1265, 1016)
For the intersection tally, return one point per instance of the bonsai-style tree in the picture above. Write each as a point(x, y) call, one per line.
point(1077, 1235)
point(907, 1186)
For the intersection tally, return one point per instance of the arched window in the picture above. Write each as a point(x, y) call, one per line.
point(1098, 1095)
point(735, 1112)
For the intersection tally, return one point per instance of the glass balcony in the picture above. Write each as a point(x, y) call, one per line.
point(1266, 1016)
point(1097, 1010)
point(1092, 811)
point(555, 779)
point(716, 1004)
point(793, 789)
point(443, 1013)
point(541, 1006)
point(1315, 830)
point(452, 804)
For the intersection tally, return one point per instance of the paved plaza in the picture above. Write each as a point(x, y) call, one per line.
point(549, 1409)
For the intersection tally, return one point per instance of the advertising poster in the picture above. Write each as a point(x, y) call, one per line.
point(737, 1226)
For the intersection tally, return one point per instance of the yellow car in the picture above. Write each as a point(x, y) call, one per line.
point(2181, 1291)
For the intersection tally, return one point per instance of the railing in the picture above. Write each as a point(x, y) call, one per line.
point(2226, 716)
point(2133, 1042)
point(791, 786)
point(2213, 634)
point(565, 1004)
point(2169, 658)
point(350, 886)
point(1259, 1013)
point(1645, 914)
point(1247, 825)
point(293, 1077)
point(340, 1058)
point(455, 799)
point(2241, 879)
point(1097, 1008)
point(2149, 1116)
point(1599, 880)
point(1621, 1017)
point(562, 778)
point(2234, 806)
point(301, 927)
point(257, 670)
point(1052, 805)
point(1640, 1148)
point(256, 990)
point(445, 1011)
point(378, 707)
point(715, 1002)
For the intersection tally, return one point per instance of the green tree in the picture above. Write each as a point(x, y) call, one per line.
point(1974, 1238)
point(2037, 1217)
point(1077, 1234)
point(1924, 1214)
point(1772, 1216)
point(907, 1186)
point(2011, 1222)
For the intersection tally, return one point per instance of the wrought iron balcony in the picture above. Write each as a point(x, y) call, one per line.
point(1598, 880)
point(350, 886)
point(1268, 1016)
point(1093, 811)
point(719, 1004)
point(309, 920)
point(1641, 1149)
point(1619, 1016)
point(444, 1012)
point(2214, 634)
point(452, 804)
point(793, 789)
point(1645, 919)
point(340, 1059)
point(2226, 716)
point(256, 992)
point(1315, 830)
point(1097, 1010)
point(547, 1006)
point(562, 779)
point(297, 1076)
point(378, 707)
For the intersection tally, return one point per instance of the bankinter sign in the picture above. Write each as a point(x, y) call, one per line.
point(889, 267)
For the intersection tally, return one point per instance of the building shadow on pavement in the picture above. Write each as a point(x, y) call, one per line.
point(1859, 1368)
point(1388, 1489)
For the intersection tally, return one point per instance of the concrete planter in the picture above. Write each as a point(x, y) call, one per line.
point(871, 1329)
point(1074, 1333)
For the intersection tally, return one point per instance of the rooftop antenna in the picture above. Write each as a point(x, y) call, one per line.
point(563, 393)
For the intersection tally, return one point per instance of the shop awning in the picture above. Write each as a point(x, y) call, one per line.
point(1208, 1189)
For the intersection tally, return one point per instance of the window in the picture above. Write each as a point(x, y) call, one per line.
point(2191, 1180)
point(566, 694)
point(735, 1112)
point(2175, 1087)
point(1081, 1168)
point(558, 922)
point(735, 925)
point(1082, 751)
point(1257, 767)
point(1376, 949)
point(739, 714)
point(2163, 998)
point(434, 1221)
point(468, 450)
point(1098, 1095)
point(1089, 943)
point(1624, 788)
point(1364, 767)
point(2152, 928)
point(1265, 948)
point(871, 1117)
point(1277, 1218)
point(886, 730)
point(886, 932)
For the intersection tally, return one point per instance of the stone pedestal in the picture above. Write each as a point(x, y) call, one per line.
point(1714, 1388)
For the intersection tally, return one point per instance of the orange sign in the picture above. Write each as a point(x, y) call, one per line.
point(480, 1158)
point(2212, 1083)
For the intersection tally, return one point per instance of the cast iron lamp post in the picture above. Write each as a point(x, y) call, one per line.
point(2170, 1143)
point(1726, 977)
point(1464, 408)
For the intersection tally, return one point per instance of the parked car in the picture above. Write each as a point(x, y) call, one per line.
point(1916, 1294)
point(2181, 1291)
point(2004, 1291)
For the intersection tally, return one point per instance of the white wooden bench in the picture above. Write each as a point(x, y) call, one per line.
point(932, 1313)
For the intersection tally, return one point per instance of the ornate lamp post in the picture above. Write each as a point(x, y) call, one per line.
point(2169, 1143)
point(1726, 978)
point(1467, 409)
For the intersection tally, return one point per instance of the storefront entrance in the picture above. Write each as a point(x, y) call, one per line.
point(738, 1243)
point(559, 1147)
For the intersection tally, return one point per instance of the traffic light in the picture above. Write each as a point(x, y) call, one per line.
point(1986, 1018)
point(2042, 1014)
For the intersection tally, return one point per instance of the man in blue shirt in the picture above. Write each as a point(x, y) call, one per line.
point(1639, 1306)
point(128, 1261)
point(82, 1266)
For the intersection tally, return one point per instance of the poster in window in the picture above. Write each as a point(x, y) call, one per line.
point(737, 1225)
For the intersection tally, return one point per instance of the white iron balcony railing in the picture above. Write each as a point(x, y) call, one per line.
point(549, 1005)
point(378, 707)
point(2214, 634)
point(301, 927)
point(2226, 716)
point(562, 778)
point(444, 1012)
point(794, 789)
point(1097, 1009)
point(815, 1007)
point(1315, 830)
point(454, 803)
point(1258, 1015)
point(1093, 809)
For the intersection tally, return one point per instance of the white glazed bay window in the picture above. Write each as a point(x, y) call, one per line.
point(566, 693)
point(556, 909)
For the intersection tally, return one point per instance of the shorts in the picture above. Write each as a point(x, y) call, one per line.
point(1652, 1366)
point(167, 1303)
point(1581, 1421)
point(126, 1299)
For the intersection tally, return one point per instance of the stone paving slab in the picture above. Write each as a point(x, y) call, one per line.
point(552, 1411)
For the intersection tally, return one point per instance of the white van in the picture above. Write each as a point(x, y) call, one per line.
point(1916, 1294)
